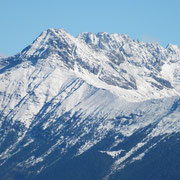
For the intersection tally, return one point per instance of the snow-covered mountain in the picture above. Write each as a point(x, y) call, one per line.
point(90, 107)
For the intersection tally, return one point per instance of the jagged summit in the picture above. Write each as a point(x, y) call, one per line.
point(50, 40)
point(54, 34)
point(104, 37)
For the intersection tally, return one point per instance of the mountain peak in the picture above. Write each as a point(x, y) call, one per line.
point(47, 43)
point(89, 37)
point(173, 48)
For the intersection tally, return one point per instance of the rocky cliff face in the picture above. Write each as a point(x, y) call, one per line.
point(98, 104)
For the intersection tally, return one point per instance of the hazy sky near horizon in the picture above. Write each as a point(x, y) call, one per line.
point(22, 21)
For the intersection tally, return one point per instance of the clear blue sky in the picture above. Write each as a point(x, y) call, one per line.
point(21, 21)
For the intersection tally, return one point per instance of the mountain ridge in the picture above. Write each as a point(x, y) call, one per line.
point(103, 62)
point(63, 97)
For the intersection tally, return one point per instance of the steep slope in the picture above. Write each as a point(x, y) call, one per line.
point(95, 99)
